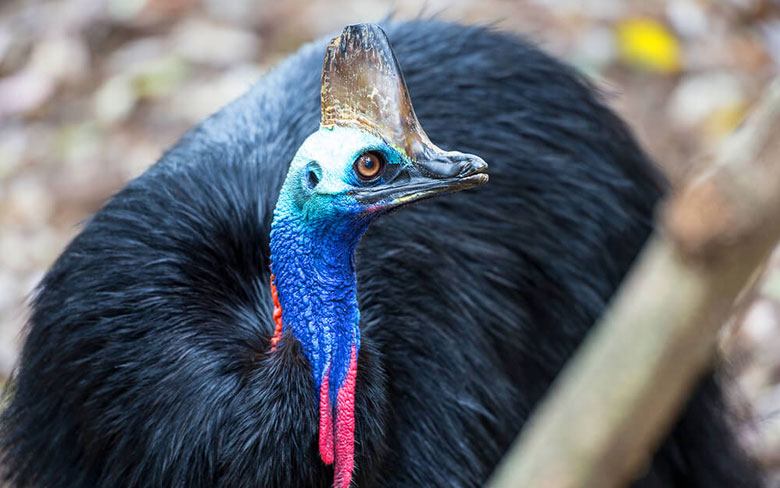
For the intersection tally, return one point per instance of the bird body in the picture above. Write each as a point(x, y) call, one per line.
point(184, 337)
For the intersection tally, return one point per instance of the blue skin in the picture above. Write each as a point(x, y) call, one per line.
point(314, 233)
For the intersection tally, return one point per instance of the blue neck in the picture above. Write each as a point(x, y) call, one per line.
point(315, 279)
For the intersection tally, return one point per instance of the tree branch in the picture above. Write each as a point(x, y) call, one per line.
point(616, 398)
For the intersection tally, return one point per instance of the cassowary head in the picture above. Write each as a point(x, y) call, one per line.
point(369, 156)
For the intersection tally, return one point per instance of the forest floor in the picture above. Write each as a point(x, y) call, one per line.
point(92, 92)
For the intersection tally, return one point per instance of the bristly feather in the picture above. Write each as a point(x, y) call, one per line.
point(147, 361)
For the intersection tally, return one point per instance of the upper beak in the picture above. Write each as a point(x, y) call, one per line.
point(444, 172)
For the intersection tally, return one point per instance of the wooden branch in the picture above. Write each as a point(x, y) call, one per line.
point(617, 397)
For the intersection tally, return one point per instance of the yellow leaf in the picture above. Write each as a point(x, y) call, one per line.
point(647, 44)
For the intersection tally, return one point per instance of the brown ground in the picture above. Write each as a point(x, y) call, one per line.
point(92, 91)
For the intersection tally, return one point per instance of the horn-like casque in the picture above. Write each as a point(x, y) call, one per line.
point(363, 87)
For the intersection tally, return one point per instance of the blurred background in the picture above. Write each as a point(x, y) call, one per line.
point(92, 92)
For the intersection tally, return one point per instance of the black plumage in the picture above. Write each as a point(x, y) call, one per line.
point(147, 360)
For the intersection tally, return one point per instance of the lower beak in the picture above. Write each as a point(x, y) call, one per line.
point(445, 172)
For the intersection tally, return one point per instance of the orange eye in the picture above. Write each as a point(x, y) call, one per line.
point(369, 166)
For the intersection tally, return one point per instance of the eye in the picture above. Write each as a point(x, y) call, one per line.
point(369, 166)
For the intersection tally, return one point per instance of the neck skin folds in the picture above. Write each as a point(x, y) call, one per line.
point(316, 283)
point(312, 264)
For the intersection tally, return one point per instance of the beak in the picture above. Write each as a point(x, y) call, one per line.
point(444, 172)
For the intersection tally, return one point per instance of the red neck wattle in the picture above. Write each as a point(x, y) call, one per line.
point(336, 435)
point(277, 315)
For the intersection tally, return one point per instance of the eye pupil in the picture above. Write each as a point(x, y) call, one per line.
point(369, 166)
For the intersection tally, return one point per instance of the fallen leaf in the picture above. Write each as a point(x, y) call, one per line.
point(649, 45)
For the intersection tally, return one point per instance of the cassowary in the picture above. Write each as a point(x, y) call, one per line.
point(230, 318)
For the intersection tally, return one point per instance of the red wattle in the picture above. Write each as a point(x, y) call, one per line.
point(345, 427)
point(277, 315)
point(326, 423)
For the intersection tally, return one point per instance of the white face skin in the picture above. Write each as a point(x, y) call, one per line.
point(322, 172)
point(323, 186)
point(335, 149)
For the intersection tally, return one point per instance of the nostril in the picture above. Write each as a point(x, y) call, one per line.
point(452, 164)
point(472, 166)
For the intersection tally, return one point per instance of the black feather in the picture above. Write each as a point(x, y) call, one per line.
point(146, 361)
